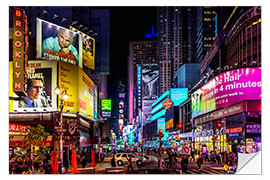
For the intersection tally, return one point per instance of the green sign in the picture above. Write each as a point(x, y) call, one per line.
point(106, 105)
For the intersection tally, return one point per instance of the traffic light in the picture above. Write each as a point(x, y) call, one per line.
point(160, 134)
point(179, 126)
point(219, 125)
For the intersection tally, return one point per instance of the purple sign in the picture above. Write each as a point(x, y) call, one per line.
point(253, 128)
point(226, 89)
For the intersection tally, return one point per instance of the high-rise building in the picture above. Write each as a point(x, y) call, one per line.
point(174, 44)
point(139, 52)
point(204, 30)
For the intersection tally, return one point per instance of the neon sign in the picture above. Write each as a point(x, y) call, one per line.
point(19, 51)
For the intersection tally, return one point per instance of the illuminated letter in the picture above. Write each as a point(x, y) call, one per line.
point(18, 23)
point(18, 13)
point(18, 74)
point(17, 54)
point(17, 85)
point(17, 65)
point(18, 44)
point(18, 34)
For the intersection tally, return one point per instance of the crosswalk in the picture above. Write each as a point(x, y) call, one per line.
point(205, 171)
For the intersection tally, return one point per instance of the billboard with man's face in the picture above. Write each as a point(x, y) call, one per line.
point(41, 78)
point(57, 43)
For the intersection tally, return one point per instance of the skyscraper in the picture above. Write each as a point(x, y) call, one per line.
point(174, 43)
point(139, 52)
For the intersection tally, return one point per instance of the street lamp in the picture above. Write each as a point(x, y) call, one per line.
point(63, 96)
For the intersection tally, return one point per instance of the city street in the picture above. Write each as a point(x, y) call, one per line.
point(133, 89)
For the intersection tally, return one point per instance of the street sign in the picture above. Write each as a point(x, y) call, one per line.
point(167, 104)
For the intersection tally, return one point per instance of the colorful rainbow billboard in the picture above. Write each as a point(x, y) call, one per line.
point(227, 89)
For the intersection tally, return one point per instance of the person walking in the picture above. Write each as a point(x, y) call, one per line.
point(129, 163)
point(218, 159)
point(200, 162)
point(113, 161)
point(66, 163)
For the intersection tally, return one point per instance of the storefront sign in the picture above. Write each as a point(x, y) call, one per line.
point(167, 104)
point(253, 128)
point(234, 130)
point(18, 129)
point(233, 135)
point(20, 43)
point(226, 89)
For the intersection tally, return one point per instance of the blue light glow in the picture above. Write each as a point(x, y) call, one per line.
point(160, 98)
point(159, 114)
point(158, 107)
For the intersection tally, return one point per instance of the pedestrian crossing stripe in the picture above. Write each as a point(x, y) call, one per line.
point(204, 171)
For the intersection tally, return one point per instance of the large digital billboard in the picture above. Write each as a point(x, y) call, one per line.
point(150, 83)
point(227, 89)
point(178, 95)
point(88, 49)
point(106, 107)
point(58, 43)
point(41, 82)
point(139, 87)
point(161, 126)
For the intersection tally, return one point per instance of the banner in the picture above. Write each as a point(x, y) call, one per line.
point(68, 80)
point(58, 43)
point(41, 82)
point(88, 49)
point(150, 83)
point(226, 89)
point(86, 95)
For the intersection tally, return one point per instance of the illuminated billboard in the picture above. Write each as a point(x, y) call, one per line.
point(41, 82)
point(68, 80)
point(58, 43)
point(106, 107)
point(106, 104)
point(150, 81)
point(88, 49)
point(95, 102)
point(86, 92)
point(178, 95)
point(227, 89)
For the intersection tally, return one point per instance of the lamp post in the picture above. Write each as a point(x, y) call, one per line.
point(63, 96)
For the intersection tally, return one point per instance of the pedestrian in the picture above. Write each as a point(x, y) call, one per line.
point(113, 161)
point(218, 158)
point(200, 162)
point(66, 164)
point(184, 163)
point(129, 162)
point(83, 161)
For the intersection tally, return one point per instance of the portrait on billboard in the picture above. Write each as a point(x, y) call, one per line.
point(150, 82)
point(57, 43)
point(36, 95)
point(88, 52)
point(39, 94)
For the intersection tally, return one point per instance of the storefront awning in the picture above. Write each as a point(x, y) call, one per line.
point(17, 141)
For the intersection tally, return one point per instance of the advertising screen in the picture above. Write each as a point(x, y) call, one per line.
point(68, 80)
point(139, 86)
point(150, 83)
point(86, 95)
point(146, 111)
point(88, 49)
point(41, 79)
point(58, 43)
point(226, 89)
point(178, 95)
point(95, 102)
point(106, 104)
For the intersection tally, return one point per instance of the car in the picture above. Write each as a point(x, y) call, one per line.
point(121, 159)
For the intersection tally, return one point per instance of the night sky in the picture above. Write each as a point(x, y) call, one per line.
point(126, 24)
